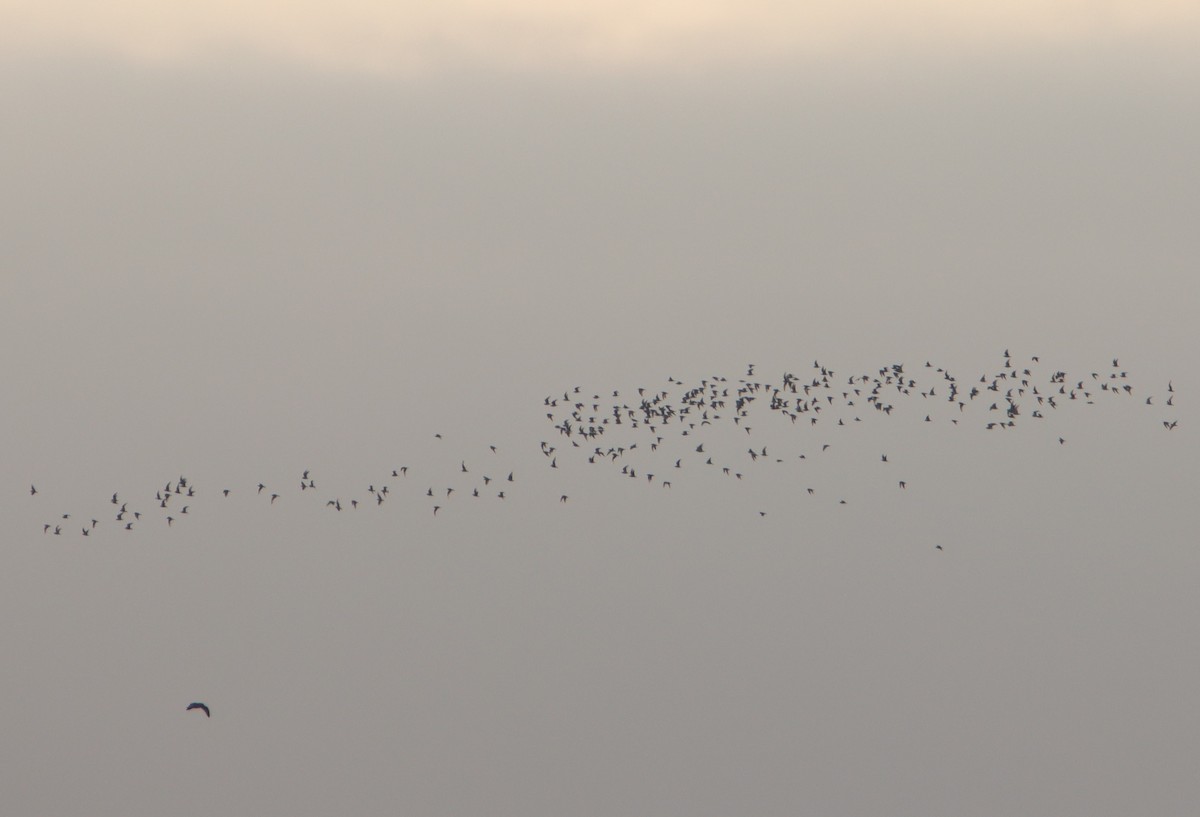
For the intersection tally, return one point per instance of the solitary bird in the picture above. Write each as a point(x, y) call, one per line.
point(200, 706)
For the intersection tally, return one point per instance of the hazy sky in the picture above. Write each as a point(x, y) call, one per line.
point(246, 240)
point(402, 39)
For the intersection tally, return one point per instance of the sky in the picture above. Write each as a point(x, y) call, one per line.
point(246, 241)
point(423, 38)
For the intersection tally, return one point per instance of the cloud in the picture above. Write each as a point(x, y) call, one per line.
point(422, 36)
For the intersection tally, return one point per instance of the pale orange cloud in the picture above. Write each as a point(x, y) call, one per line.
point(422, 36)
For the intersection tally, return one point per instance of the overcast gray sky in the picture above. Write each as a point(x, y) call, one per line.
point(244, 241)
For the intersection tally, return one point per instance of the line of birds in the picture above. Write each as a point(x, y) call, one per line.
point(176, 499)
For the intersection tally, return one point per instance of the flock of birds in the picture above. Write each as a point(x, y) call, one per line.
point(662, 436)
point(175, 501)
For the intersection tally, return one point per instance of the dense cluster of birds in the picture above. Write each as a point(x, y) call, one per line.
point(659, 435)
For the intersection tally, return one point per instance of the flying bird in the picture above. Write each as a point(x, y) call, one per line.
point(202, 707)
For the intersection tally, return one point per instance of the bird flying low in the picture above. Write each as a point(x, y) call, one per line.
point(200, 706)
